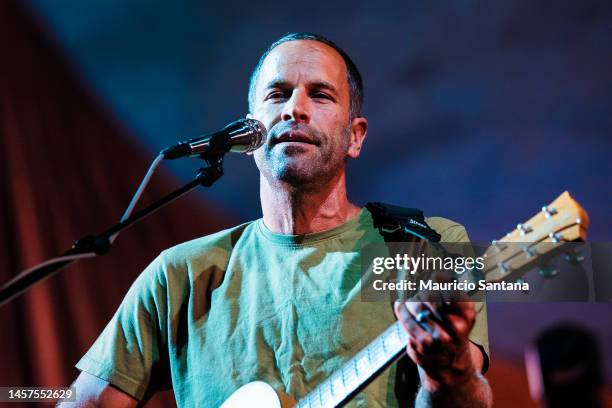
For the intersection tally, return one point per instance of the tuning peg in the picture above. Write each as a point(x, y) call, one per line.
point(574, 257)
point(520, 281)
point(548, 271)
point(529, 251)
point(549, 211)
point(555, 237)
point(503, 267)
point(500, 246)
point(524, 228)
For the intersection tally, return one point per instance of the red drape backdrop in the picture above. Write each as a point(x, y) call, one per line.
point(68, 169)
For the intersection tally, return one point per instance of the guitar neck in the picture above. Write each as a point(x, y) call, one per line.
point(356, 373)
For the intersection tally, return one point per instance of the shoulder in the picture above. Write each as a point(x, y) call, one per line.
point(211, 247)
point(181, 263)
point(450, 230)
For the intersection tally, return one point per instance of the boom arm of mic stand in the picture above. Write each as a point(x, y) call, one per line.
point(100, 244)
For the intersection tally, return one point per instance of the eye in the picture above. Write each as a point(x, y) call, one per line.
point(277, 95)
point(321, 95)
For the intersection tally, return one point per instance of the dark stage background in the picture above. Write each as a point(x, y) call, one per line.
point(479, 111)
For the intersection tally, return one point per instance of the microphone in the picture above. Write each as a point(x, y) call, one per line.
point(241, 136)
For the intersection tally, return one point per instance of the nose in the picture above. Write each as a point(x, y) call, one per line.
point(296, 108)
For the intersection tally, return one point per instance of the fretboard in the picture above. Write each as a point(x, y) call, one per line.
point(359, 370)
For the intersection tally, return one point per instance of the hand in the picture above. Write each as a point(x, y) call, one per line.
point(439, 339)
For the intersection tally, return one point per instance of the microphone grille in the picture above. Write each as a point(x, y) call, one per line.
point(257, 132)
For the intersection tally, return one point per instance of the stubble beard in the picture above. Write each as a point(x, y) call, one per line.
point(303, 171)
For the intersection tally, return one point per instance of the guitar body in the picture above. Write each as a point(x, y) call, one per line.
point(258, 394)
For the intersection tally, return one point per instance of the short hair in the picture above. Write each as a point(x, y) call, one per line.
point(352, 73)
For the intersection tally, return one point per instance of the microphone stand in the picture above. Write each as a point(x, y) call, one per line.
point(100, 244)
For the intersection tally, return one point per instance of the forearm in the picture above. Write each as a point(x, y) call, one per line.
point(473, 391)
point(92, 391)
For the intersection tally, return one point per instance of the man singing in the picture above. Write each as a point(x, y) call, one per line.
point(277, 299)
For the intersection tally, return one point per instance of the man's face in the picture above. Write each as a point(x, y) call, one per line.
point(302, 97)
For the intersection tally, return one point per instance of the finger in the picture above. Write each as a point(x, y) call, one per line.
point(417, 330)
point(465, 309)
point(459, 318)
point(437, 312)
point(458, 327)
point(416, 313)
point(425, 317)
point(420, 316)
point(419, 338)
point(420, 303)
point(438, 324)
point(443, 327)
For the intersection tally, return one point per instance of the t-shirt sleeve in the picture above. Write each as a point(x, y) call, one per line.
point(479, 335)
point(131, 346)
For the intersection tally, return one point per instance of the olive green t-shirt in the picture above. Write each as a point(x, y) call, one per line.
point(245, 304)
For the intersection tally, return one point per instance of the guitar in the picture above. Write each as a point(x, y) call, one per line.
point(542, 236)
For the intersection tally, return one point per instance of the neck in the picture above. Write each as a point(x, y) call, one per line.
point(297, 211)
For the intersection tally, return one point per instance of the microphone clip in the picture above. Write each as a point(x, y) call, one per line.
point(212, 172)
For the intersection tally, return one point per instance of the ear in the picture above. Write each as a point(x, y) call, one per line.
point(359, 130)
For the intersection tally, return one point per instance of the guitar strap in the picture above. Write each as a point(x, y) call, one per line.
point(398, 224)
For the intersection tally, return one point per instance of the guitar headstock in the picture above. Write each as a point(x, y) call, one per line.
point(543, 235)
